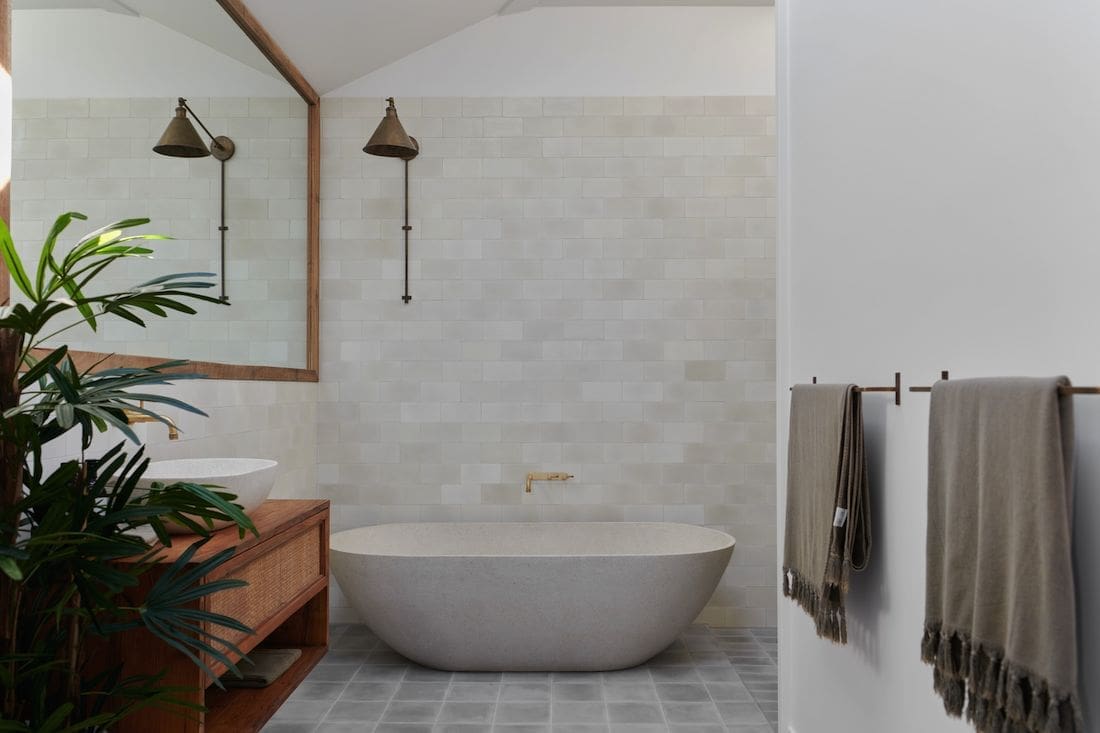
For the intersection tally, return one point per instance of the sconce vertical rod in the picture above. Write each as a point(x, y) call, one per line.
point(406, 297)
point(222, 229)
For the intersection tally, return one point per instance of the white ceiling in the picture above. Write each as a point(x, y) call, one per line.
point(518, 6)
point(338, 41)
point(201, 20)
point(207, 23)
point(111, 6)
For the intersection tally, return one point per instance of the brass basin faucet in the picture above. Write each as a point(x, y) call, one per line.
point(133, 417)
point(542, 476)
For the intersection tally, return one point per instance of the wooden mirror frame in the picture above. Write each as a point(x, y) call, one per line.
point(247, 22)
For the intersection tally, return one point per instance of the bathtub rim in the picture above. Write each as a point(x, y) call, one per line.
point(729, 542)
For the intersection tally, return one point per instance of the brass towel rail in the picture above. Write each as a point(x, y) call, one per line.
point(896, 389)
point(1064, 391)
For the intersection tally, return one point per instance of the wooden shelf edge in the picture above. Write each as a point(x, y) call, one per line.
point(259, 635)
point(271, 518)
point(242, 710)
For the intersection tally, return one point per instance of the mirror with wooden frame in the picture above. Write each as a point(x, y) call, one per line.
point(188, 114)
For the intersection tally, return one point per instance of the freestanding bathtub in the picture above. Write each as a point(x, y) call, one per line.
point(574, 596)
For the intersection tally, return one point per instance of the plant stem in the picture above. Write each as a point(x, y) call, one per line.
point(11, 704)
point(11, 489)
point(36, 343)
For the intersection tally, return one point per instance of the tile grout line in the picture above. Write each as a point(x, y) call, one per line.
point(393, 696)
point(496, 707)
point(773, 664)
point(343, 689)
point(439, 713)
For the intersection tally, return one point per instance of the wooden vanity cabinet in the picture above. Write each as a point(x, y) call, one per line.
point(285, 603)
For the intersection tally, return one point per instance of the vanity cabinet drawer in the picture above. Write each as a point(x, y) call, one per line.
point(289, 567)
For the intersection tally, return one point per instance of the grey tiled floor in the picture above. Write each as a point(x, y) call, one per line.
point(711, 679)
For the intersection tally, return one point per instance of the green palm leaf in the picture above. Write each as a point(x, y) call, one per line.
point(14, 262)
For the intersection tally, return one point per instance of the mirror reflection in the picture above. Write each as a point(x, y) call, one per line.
point(165, 109)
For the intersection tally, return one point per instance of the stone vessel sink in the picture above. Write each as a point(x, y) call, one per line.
point(251, 479)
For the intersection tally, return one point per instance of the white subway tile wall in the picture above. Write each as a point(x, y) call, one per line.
point(593, 285)
point(95, 156)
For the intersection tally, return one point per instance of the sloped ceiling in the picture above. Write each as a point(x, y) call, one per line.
point(201, 20)
point(337, 41)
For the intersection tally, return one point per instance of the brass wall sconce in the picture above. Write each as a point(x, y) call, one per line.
point(182, 140)
point(391, 141)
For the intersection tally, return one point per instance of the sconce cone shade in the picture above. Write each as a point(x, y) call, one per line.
point(390, 139)
point(181, 139)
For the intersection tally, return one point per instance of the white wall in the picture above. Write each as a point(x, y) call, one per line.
point(940, 165)
point(92, 53)
point(578, 52)
point(592, 289)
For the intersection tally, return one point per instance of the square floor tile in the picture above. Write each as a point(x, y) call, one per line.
point(462, 728)
point(674, 674)
point(635, 713)
point(578, 692)
point(578, 712)
point(629, 691)
point(691, 713)
point(525, 691)
point(682, 692)
point(404, 728)
point(474, 692)
point(476, 676)
point(467, 712)
point(343, 727)
point(309, 690)
point(377, 673)
point(740, 713)
point(356, 710)
point(411, 711)
point(333, 672)
point(729, 692)
point(426, 674)
point(530, 713)
point(368, 690)
point(421, 691)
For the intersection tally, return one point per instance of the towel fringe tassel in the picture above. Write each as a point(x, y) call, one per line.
point(822, 603)
point(978, 683)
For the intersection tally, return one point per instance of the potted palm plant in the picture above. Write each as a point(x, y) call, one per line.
point(72, 548)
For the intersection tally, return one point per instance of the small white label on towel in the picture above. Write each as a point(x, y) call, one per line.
point(840, 517)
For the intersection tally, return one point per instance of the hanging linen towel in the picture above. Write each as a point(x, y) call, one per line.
point(828, 516)
point(1000, 625)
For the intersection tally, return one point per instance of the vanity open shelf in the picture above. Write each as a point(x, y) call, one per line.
point(285, 603)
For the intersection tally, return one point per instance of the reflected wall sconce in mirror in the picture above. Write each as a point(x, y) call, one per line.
point(391, 141)
point(182, 140)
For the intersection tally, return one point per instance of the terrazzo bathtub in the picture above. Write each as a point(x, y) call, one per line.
point(573, 596)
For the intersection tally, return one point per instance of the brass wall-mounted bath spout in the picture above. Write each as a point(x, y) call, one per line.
point(542, 476)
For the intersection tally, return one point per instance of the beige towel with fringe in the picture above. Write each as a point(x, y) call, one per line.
point(828, 503)
point(1000, 625)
